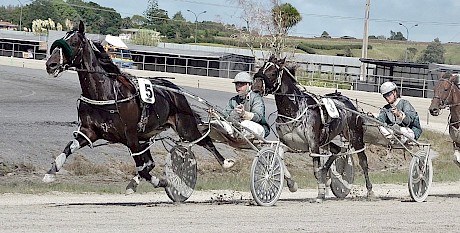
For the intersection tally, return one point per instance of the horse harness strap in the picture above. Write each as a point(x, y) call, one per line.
point(105, 102)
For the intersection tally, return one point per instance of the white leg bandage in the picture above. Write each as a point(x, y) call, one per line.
point(457, 155)
point(60, 160)
point(74, 146)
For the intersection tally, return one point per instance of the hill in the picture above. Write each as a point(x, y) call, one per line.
point(378, 49)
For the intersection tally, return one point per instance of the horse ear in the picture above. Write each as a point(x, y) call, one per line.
point(81, 27)
point(282, 61)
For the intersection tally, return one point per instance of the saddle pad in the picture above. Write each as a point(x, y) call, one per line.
point(146, 90)
point(330, 107)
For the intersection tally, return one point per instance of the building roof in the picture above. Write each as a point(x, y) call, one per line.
point(176, 52)
point(114, 41)
point(394, 63)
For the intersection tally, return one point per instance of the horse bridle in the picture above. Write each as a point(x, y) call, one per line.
point(443, 102)
point(277, 84)
point(70, 55)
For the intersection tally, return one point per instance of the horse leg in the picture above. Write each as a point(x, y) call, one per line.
point(292, 185)
point(71, 147)
point(185, 126)
point(363, 163)
point(456, 154)
point(144, 164)
point(207, 143)
point(320, 178)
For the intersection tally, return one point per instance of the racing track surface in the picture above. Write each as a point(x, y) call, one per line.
point(38, 114)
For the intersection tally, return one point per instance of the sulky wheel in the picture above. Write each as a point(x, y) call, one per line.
point(181, 173)
point(342, 174)
point(420, 176)
point(267, 177)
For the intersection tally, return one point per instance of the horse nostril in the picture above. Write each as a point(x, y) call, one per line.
point(53, 65)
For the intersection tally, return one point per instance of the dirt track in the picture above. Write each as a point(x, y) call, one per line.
point(206, 212)
point(37, 116)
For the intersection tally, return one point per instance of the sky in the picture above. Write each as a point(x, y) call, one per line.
point(434, 18)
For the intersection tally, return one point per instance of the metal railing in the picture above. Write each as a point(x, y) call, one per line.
point(22, 50)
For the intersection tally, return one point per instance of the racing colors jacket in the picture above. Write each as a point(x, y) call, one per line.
point(252, 103)
point(410, 119)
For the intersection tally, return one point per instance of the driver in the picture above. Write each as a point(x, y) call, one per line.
point(247, 108)
point(398, 113)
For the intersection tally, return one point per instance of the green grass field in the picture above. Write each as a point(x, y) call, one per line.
point(381, 49)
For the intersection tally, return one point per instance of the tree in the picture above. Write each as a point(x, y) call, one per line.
point(138, 20)
point(146, 37)
point(396, 36)
point(434, 53)
point(285, 17)
point(178, 17)
point(155, 16)
point(267, 25)
point(325, 35)
point(411, 52)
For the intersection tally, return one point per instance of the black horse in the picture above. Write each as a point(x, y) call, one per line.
point(303, 123)
point(110, 108)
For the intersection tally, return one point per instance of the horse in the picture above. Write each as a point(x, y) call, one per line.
point(110, 108)
point(301, 124)
point(446, 93)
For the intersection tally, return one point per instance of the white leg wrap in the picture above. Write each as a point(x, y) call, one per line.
point(137, 179)
point(74, 146)
point(155, 181)
point(457, 155)
point(150, 162)
point(59, 161)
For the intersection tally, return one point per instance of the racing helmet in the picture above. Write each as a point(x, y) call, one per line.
point(242, 77)
point(387, 87)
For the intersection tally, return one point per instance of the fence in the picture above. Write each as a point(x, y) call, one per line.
point(331, 75)
point(214, 67)
point(22, 49)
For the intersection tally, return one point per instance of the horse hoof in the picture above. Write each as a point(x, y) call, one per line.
point(129, 191)
point(131, 187)
point(371, 196)
point(228, 163)
point(292, 185)
point(48, 178)
point(317, 200)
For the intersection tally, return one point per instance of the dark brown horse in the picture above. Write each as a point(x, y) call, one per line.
point(303, 123)
point(447, 94)
point(110, 108)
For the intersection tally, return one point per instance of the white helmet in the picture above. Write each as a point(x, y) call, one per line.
point(242, 77)
point(387, 87)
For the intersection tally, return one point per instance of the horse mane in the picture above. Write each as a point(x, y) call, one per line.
point(104, 59)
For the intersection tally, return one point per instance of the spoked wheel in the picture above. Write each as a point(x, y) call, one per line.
point(342, 174)
point(420, 176)
point(267, 177)
point(181, 172)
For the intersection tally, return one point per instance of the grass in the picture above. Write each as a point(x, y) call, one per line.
point(23, 179)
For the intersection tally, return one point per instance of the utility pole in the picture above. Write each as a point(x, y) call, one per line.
point(365, 39)
point(20, 17)
point(196, 21)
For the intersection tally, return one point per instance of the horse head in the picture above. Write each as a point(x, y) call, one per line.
point(444, 93)
point(268, 79)
point(68, 51)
